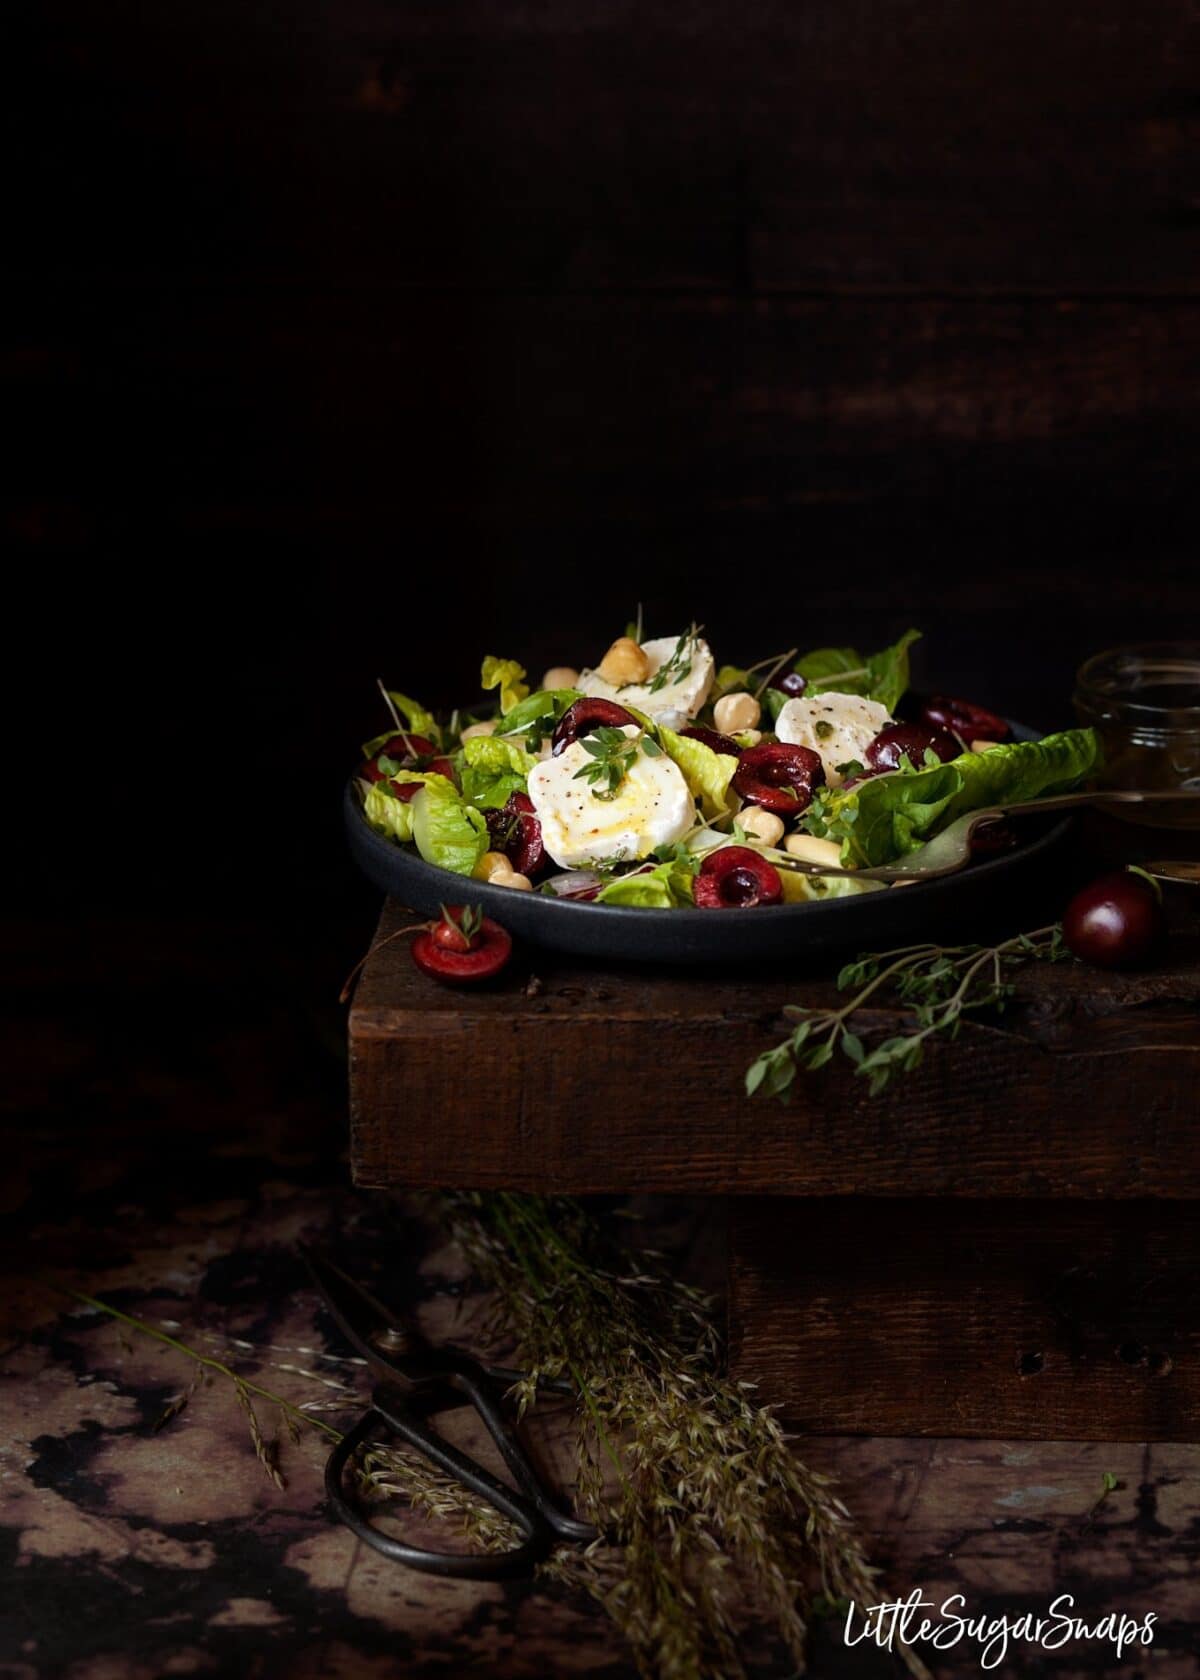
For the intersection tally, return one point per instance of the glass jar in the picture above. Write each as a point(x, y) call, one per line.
point(1144, 702)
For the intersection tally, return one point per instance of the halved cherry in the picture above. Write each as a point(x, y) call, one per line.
point(517, 832)
point(585, 715)
point(463, 948)
point(405, 749)
point(962, 718)
point(736, 878)
point(910, 741)
point(412, 752)
point(406, 792)
point(790, 683)
point(779, 777)
point(714, 739)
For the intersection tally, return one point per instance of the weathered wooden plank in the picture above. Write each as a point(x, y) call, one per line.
point(589, 144)
point(1001, 1319)
point(540, 408)
point(611, 1080)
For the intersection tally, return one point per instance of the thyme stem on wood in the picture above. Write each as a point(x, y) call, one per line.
point(938, 984)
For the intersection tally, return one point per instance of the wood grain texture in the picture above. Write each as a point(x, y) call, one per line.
point(1012, 1319)
point(611, 1080)
point(133, 1553)
point(593, 145)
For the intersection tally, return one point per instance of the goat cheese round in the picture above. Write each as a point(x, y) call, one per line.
point(838, 727)
point(652, 807)
point(679, 698)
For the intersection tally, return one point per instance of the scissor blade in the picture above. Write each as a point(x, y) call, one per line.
point(363, 1320)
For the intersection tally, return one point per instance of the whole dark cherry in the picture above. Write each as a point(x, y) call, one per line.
point(962, 718)
point(585, 715)
point(790, 683)
point(736, 878)
point(909, 741)
point(714, 739)
point(1116, 921)
point(779, 777)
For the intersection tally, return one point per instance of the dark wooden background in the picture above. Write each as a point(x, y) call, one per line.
point(350, 339)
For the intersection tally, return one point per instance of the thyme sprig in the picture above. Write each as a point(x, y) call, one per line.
point(940, 985)
point(612, 756)
point(679, 664)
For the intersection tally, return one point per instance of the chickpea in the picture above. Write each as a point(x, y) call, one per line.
point(521, 882)
point(474, 730)
point(761, 825)
point(811, 850)
point(982, 746)
point(494, 867)
point(561, 676)
point(748, 737)
point(736, 711)
point(624, 663)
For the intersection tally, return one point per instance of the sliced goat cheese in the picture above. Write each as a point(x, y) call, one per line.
point(679, 698)
point(652, 807)
point(838, 727)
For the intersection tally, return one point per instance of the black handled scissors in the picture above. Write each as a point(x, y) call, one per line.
point(415, 1378)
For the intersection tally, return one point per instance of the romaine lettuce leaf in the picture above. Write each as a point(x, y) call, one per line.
point(492, 769)
point(668, 886)
point(506, 675)
point(387, 814)
point(447, 830)
point(707, 773)
point(881, 676)
point(392, 816)
point(730, 679)
point(802, 889)
point(886, 817)
point(416, 718)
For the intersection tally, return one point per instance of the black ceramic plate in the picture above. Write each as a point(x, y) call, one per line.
point(958, 905)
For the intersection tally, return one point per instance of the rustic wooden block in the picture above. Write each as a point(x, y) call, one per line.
point(995, 1319)
point(615, 1080)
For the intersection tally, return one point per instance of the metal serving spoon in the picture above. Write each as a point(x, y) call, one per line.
point(950, 850)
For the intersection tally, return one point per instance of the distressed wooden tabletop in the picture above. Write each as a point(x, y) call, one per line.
point(190, 1132)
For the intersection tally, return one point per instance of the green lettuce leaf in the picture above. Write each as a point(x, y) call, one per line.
point(731, 679)
point(506, 675)
point(416, 718)
point(889, 816)
point(668, 886)
point(447, 830)
point(802, 889)
point(707, 773)
point(492, 769)
point(881, 676)
point(387, 814)
point(537, 714)
point(392, 816)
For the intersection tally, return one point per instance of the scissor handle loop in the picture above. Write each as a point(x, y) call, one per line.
point(470, 1566)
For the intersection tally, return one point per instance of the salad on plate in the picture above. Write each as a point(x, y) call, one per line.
point(658, 779)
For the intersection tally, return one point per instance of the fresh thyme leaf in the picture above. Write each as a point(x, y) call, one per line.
point(468, 922)
point(938, 985)
point(613, 755)
point(822, 729)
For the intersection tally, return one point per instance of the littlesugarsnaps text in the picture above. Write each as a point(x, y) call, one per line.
point(916, 1620)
